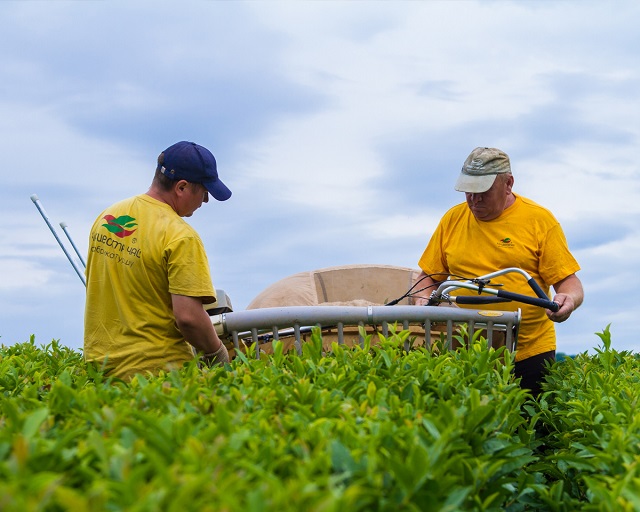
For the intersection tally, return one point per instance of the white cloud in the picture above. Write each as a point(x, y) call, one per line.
point(42, 150)
point(552, 83)
point(23, 276)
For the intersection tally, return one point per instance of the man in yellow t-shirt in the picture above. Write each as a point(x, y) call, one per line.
point(148, 274)
point(496, 229)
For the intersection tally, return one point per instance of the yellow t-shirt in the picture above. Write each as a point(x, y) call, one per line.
point(526, 236)
point(140, 252)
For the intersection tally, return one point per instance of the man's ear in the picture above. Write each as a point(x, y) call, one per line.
point(180, 186)
point(510, 181)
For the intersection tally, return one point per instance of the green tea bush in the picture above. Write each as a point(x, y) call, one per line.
point(590, 415)
point(372, 428)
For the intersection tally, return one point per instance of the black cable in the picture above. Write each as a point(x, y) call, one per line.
point(414, 293)
point(411, 293)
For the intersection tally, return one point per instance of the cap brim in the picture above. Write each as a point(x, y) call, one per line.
point(218, 190)
point(474, 184)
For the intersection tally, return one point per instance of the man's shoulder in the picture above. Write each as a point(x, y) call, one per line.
point(457, 211)
point(456, 208)
point(177, 228)
point(454, 218)
point(534, 206)
point(121, 204)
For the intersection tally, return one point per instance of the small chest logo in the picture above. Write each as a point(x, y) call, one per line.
point(506, 242)
point(120, 226)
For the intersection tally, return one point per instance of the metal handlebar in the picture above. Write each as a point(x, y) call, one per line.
point(445, 288)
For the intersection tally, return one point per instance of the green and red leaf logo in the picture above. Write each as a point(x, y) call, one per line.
point(506, 242)
point(120, 226)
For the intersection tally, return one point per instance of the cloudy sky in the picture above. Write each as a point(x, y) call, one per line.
point(340, 126)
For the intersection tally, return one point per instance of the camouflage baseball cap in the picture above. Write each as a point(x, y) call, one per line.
point(480, 169)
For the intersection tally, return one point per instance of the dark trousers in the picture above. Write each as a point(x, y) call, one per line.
point(532, 370)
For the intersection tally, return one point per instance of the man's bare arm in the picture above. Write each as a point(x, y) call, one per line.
point(569, 295)
point(426, 284)
point(195, 324)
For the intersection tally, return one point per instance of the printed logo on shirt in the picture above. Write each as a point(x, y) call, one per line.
point(120, 226)
point(505, 242)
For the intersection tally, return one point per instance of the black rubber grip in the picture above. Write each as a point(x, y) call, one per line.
point(525, 299)
point(482, 299)
point(536, 289)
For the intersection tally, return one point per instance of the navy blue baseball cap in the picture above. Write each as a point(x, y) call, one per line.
point(189, 161)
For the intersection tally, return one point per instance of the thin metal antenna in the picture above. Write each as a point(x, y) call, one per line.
point(64, 226)
point(81, 275)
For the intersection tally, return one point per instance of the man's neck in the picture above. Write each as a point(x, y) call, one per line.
point(162, 196)
point(511, 198)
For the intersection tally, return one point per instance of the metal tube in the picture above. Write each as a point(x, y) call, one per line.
point(298, 342)
point(81, 275)
point(63, 225)
point(269, 319)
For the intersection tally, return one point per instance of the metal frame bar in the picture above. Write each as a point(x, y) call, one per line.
point(267, 324)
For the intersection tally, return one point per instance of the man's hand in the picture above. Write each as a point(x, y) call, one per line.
point(220, 357)
point(566, 308)
point(569, 296)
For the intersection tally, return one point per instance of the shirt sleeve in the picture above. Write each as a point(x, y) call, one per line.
point(556, 261)
point(188, 269)
point(433, 259)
